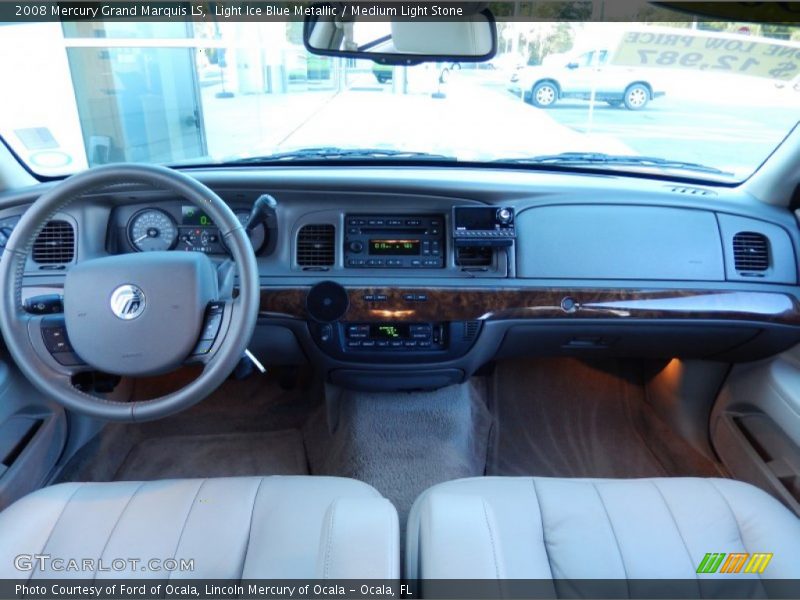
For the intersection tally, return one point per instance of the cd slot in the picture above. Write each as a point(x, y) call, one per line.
point(392, 230)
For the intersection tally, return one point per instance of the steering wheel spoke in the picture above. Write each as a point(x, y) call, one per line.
point(214, 332)
point(49, 340)
point(226, 275)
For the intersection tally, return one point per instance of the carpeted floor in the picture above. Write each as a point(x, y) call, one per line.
point(568, 418)
point(248, 427)
point(402, 443)
point(547, 417)
point(219, 455)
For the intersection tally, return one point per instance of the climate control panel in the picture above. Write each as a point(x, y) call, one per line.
point(392, 341)
point(396, 337)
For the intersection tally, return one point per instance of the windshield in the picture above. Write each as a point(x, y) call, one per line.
point(707, 100)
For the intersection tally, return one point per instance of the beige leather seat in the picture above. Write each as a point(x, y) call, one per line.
point(248, 527)
point(597, 529)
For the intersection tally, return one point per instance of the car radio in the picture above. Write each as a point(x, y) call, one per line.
point(483, 226)
point(394, 241)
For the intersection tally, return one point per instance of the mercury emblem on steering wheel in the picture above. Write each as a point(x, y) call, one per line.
point(127, 302)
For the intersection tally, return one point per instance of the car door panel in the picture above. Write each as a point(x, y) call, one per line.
point(33, 433)
point(755, 425)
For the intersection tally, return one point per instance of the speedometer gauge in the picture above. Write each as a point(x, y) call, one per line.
point(151, 230)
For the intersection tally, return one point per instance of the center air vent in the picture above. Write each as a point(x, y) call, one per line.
point(55, 244)
point(316, 246)
point(750, 252)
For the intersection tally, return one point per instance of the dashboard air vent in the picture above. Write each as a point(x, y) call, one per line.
point(693, 191)
point(471, 329)
point(55, 244)
point(316, 246)
point(750, 252)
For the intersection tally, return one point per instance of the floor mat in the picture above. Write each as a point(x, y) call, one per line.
point(569, 418)
point(402, 443)
point(225, 455)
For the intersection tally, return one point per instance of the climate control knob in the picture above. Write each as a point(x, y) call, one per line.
point(356, 247)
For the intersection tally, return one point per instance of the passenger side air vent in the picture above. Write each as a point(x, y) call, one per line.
point(474, 256)
point(750, 252)
point(55, 244)
point(316, 246)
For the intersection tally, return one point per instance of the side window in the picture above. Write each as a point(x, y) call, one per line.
point(584, 60)
point(603, 57)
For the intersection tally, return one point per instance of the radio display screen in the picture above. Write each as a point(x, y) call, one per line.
point(194, 217)
point(388, 331)
point(394, 247)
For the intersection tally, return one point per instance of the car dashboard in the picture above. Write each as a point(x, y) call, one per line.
point(415, 278)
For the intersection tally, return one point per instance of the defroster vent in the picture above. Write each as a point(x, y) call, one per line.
point(750, 252)
point(55, 244)
point(316, 246)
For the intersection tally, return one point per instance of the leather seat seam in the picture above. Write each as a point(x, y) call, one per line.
point(733, 515)
point(185, 522)
point(116, 524)
point(329, 544)
point(541, 520)
point(250, 527)
point(53, 528)
point(491, 539)
point(394, 549)
point(680, 533)
point(614, 534)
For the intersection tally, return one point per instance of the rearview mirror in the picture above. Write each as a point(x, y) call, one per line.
point(350, 30)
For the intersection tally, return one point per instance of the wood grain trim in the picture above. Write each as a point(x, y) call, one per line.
point(444, 304)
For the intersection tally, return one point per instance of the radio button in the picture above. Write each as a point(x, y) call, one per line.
point(413, 222)
point(394, 222)
point(410, 344)
point(368, 344)
point(396, 343)
point(353, 344)
point(383, 343)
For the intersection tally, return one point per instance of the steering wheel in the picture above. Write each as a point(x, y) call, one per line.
point(135, 314)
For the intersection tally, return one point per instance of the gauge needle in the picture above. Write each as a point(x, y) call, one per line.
point(139, 239)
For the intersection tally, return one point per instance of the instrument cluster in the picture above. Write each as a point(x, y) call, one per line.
point(184, 228)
